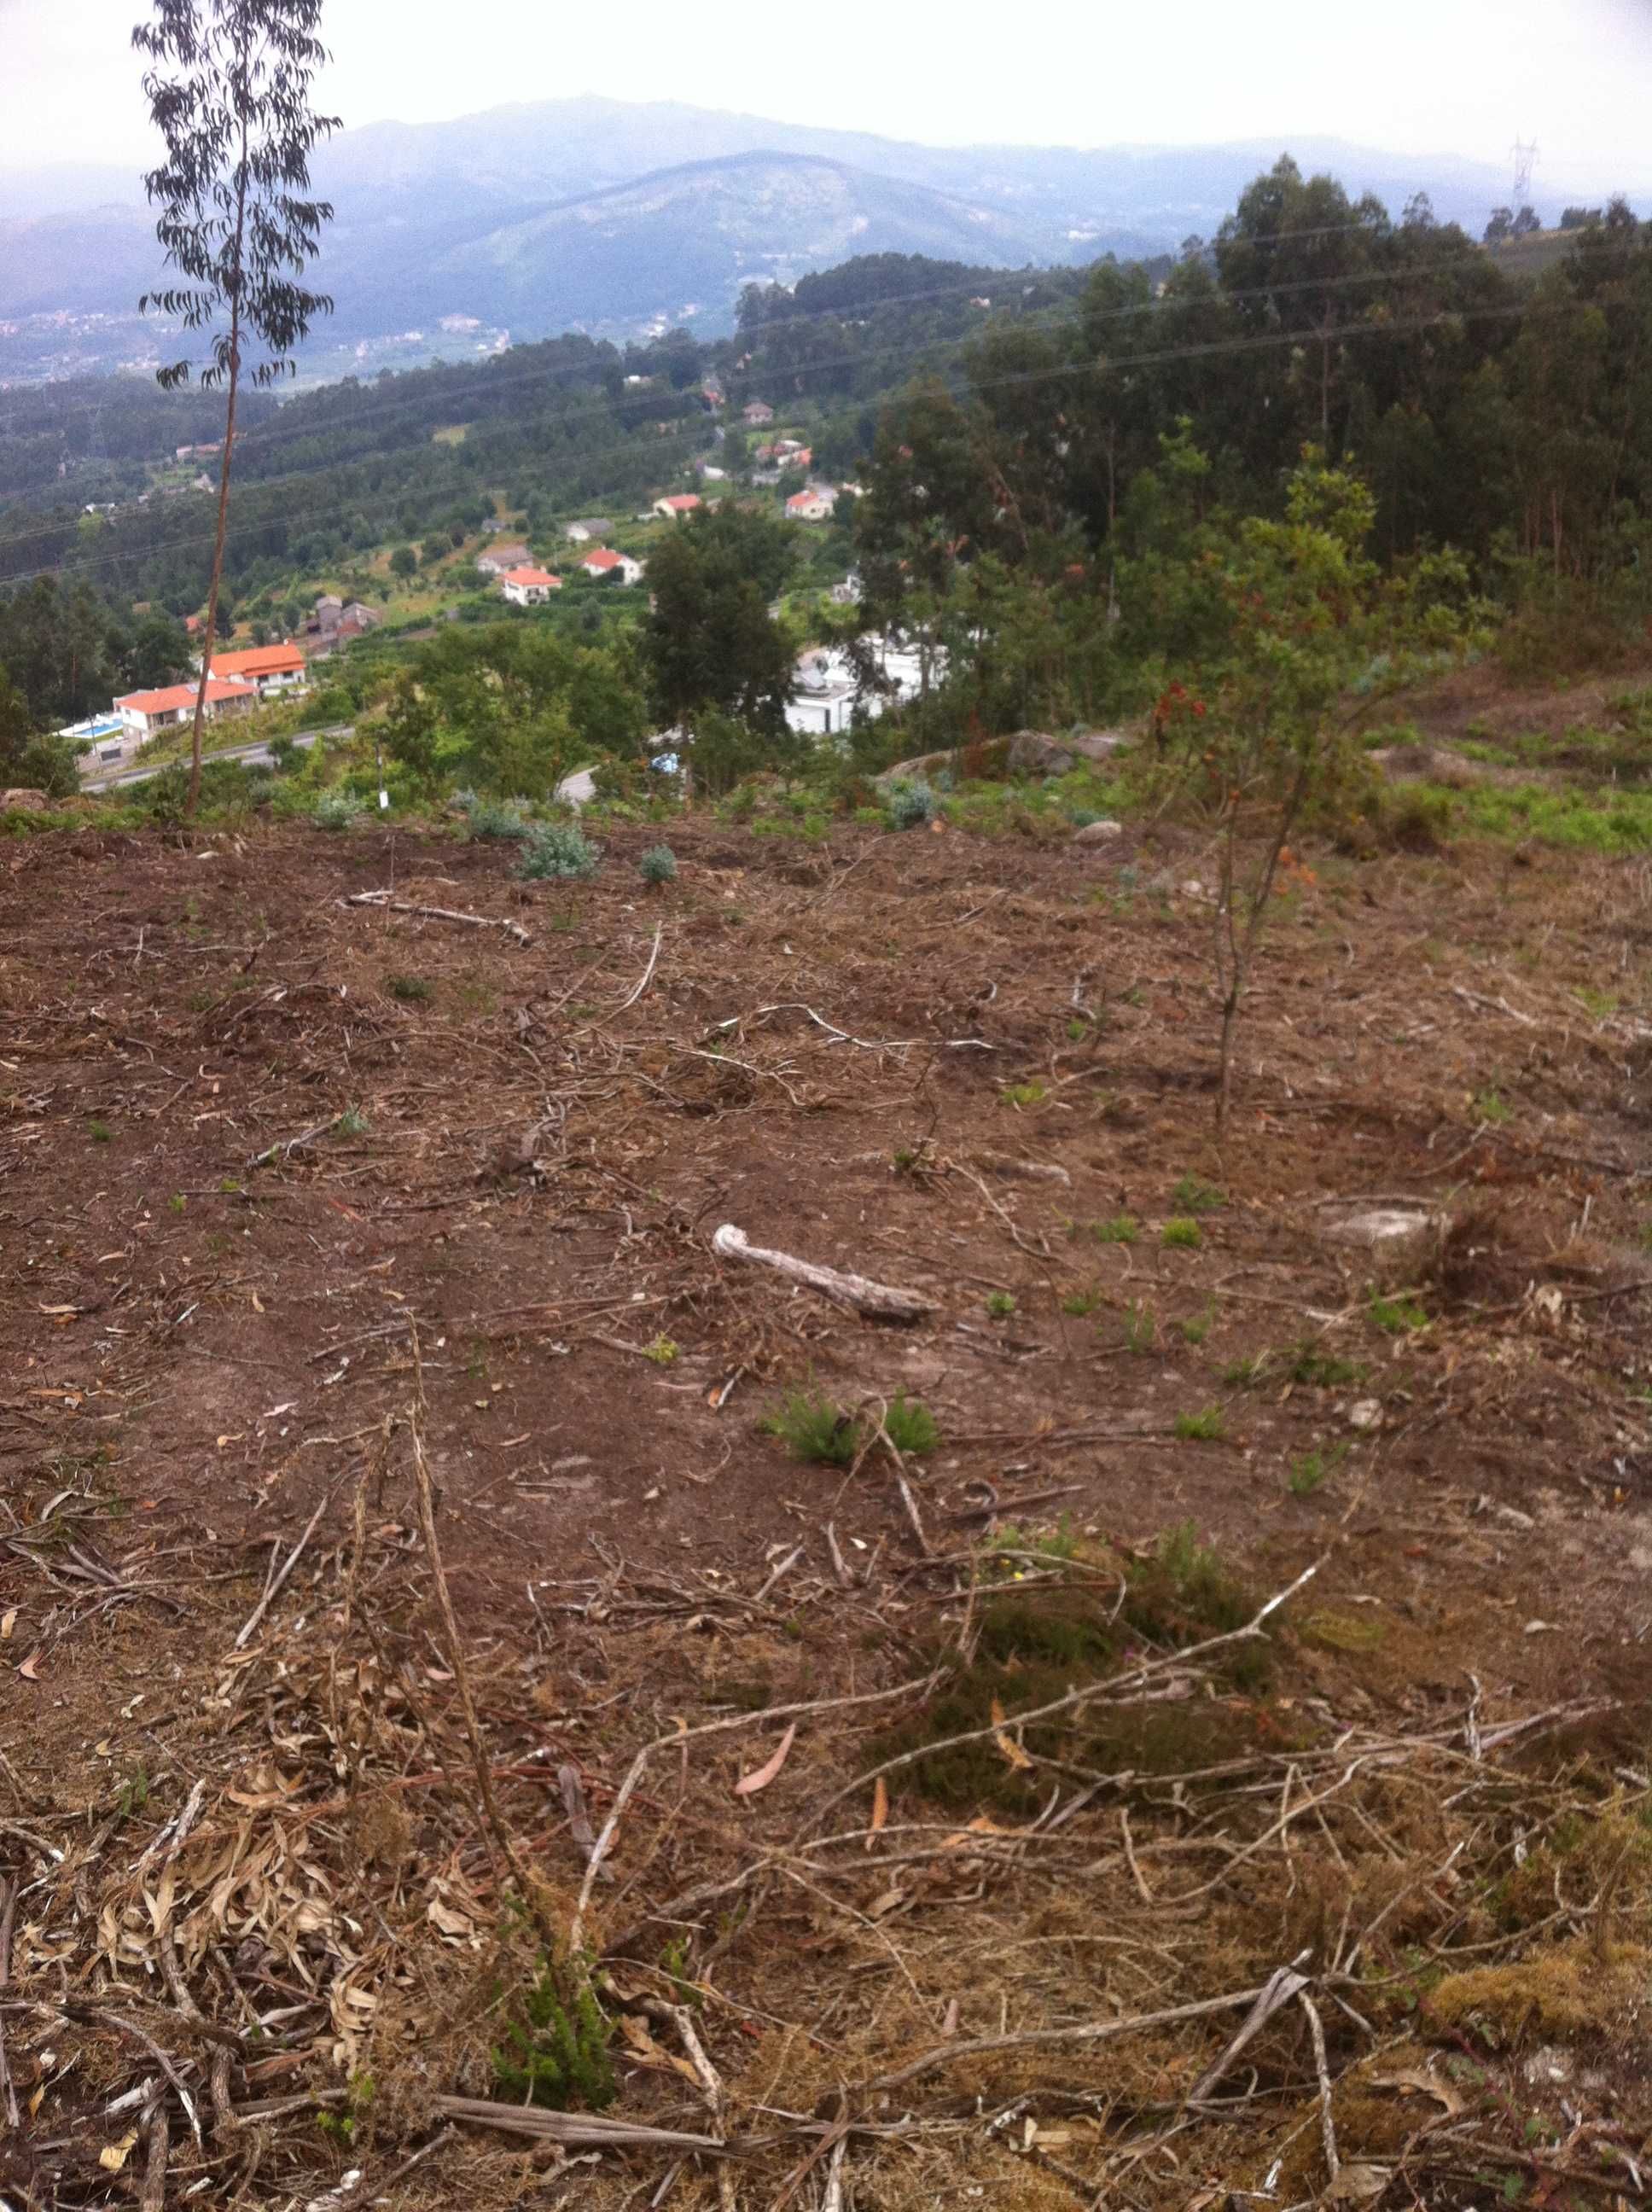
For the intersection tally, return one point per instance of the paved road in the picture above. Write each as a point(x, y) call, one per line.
point(250, 755)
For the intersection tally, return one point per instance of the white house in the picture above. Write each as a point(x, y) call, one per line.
point(144, 715)
point(529, 587)
point(827, 692)
point(812, 504)
point(758, 411)
point(674, 507)
point(273, 670)
point(709, 473)
point(605, 565)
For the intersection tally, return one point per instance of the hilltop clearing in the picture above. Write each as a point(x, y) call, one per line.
point(350, 1242)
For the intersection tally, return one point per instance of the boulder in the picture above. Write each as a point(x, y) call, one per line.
point(1098, 833)
point(22, 800)
point(1425, 763)
point(1098, 744)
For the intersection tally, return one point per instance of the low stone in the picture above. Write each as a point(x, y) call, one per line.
point(22, 801)
point(1400, 1242)
point(1366, 1413)
point(1097, 744)
point(1098, 833)
point(1426, 764)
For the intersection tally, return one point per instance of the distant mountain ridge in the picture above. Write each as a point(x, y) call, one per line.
point(615, 217)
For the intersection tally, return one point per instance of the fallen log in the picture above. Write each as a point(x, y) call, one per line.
point(881, 1301)
point(438, 913)
point(589, 2129)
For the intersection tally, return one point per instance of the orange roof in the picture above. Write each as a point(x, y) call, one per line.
point(540, 577)
point(603, 558)
point(680, 501)
point(255, 660)
point(176, 695)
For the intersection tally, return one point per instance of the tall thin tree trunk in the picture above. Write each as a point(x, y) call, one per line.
point(194, 799)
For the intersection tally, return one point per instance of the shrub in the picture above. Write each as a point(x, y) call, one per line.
point(812, 1428)
point(909, 1425)
point(557, 850)
point(1397, 1317)
point(335, 810)
point(1120, 1229)
point(410, 987)
point(490, 818)
point(1000, 1304)
point(1182, 1234)
point(1193, 1196)
point(908, 803)
point(555, 2047)
point(658, 864)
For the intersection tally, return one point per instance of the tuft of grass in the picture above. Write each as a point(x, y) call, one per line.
point(658, 864)
point(1306, 1363)
point(414, 990)
point(812, 1428)
point(1309, 1469)
point(557, 851)
point(1207, 1426)
point(664, 1350)
point(1247, 1374)
point(100, 1132)
point(1024, 1094)
point(1195, 1328)
point(1182, 1234)
point(352, 1122)
point(1397, 1317)
point(1080, 1303)
point(1190, 1195)
point(1118, 1228)
point(177, 1202)
point(1491, 1106)
point(910, 1426)
point(1000, 1304)
point(1141, 1327)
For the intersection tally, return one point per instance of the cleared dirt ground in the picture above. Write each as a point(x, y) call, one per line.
point(291, 1191)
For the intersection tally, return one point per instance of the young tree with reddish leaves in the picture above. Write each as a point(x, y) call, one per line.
point(229, 87)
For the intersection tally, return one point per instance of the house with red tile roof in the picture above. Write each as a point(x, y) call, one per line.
point(609, 566)
point(271, 668)
point(528, 586)
point(144, 715)
point(677, 505)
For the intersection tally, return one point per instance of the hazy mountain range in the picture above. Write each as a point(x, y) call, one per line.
point(617, 218)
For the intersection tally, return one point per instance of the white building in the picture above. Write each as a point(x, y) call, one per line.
point(827, 692)
point(605, 565)
point(529, 587)
point(272, 669)
point(144, 715)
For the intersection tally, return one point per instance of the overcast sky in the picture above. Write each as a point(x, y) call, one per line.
point(1419, 76)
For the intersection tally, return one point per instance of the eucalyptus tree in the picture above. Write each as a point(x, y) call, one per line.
point(229, 86)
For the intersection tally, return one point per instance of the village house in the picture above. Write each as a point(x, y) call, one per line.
point(271, 670)
point(609, 566)
point(499, 558)
point(813, 504)
point(589, 527)
point(529, 587)
point(758, 412)
point(144, 715)
point(675, 505)
point(333, 623)
point(792, 453)
point(848, 593)
point(709, 472)
point(827, 689)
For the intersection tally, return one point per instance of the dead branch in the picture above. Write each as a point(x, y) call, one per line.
point(588, 2130)
point(273, 1591)
point(1095, 2031)
point(880, 1301)
point(384, 900)
point(1284, 1983)
point(647, 973)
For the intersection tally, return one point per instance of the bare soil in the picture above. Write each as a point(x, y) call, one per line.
point(283, 1180)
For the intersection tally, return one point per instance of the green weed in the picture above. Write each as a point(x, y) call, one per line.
point(812, 1428)
point(1306, 1363)
point(557, 852)
point(352, 1122)
point(663, 1351)
point(1119, 1228)
point(1080, 1303)
point(556, 2050)
point(1208, 1427)
point(1141, 1327)
point(1190, 1195)
point(1182, 1234)
point(910, 1426)
point(1024, 1094)
point(658, 864)
point(1195, 1328)
point(413, 988)
point(1396, 1317)
point(100, 1132)
point(1489, 1106)
point(1000, 1304)
point(1311, 1469)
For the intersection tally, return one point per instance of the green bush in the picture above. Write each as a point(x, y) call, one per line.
point(490, 818)
point(908, 803)
point(812, 1428)
point(556, 851)
point(555, 2047)
point(910, 1426)
point(335, 810)
point(1182, 1234)
point(658, 864)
